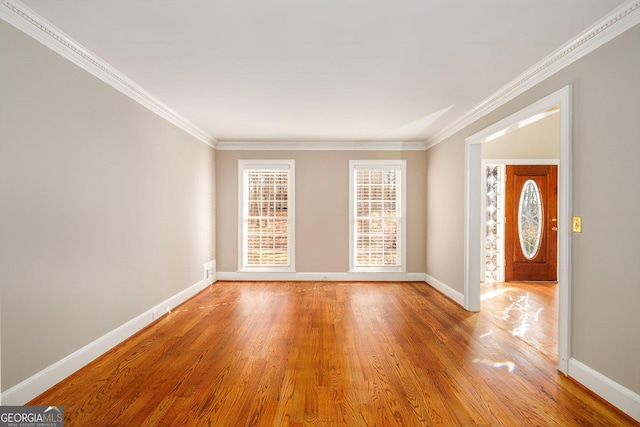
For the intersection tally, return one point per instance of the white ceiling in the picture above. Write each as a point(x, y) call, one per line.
point(321, 70)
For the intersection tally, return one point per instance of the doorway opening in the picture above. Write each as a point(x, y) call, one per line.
point(519, 289)
point(474, 193)
point(507, 230)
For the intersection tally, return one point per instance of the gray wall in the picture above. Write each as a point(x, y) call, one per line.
point(105, 208)
point(322, 207)
point(605, 319)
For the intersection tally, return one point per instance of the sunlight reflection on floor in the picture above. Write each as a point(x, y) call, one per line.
point(525, 310)
point(508, 364)
point(492, 294)
point(518, 309)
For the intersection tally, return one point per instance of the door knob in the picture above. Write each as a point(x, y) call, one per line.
point(554, 228)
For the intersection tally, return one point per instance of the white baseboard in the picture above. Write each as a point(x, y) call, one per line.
point(619, 396)
point(318, 277)
point(48, 377)
point(446, 290)
point(616, 394)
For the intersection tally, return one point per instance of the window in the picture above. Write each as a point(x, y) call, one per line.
point(377, 215)
point(266, 206)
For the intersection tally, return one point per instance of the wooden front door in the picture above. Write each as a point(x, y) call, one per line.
point(531, 226)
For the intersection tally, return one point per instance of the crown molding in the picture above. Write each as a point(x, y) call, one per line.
point(610, 26)
point(321, 146)
point(32, 24)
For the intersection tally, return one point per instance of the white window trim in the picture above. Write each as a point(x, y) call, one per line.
point(274, 165)
point(378, 164)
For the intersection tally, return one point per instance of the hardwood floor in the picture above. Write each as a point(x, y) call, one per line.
point(527, 310)
point(331, 354)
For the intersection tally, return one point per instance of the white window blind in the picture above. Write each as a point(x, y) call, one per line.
point(377, 215)
point(266, 228)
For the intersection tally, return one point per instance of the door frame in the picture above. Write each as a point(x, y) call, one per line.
point(473, 194)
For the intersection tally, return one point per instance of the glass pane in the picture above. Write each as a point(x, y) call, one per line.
point(267, 223)
point(376, 210)
point(530, 219)
point(492, 216)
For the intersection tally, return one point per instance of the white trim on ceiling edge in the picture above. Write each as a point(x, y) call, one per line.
point(322, 146)
point(32, 24)
point(609, 27)
point(38, 383)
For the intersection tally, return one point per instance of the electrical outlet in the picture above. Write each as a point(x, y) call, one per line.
point(576, 224)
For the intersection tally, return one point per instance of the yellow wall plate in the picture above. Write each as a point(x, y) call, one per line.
point(577, 224)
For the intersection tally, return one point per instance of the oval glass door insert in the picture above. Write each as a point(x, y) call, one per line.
point(530, 219)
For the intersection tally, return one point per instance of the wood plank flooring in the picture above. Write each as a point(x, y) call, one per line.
point(527, 310)
point(327, 354)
